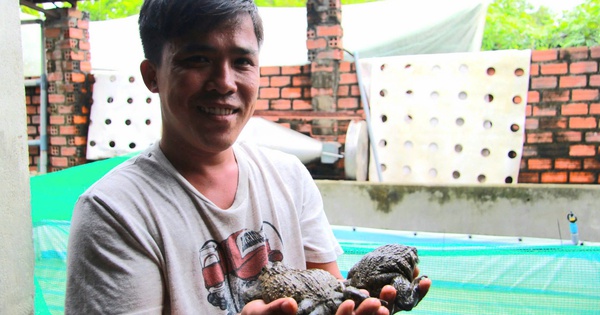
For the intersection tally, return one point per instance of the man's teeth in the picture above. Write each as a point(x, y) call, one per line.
point(217, 110)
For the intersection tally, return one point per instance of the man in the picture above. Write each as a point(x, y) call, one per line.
point(186, 226)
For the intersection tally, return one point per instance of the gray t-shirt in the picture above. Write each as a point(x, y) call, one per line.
point(143, 240)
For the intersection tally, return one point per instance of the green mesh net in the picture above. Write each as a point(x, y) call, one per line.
point(487, 275)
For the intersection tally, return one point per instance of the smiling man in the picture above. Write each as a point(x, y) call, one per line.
point(187, 226)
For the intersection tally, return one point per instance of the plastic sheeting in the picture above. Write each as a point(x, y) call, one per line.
point(377, 29)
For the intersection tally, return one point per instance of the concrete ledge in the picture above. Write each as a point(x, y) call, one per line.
point(523, 210)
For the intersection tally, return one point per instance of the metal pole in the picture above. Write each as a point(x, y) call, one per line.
point(365, 102)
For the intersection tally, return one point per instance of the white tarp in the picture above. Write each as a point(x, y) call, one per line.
point(376, 29)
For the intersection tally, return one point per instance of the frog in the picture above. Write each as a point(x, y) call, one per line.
point(392, 264)
point(316, 291)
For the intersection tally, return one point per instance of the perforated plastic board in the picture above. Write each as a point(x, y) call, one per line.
point(125, 116)
point(449, 118)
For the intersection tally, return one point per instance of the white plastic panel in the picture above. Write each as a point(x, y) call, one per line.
point(125, 116)
point(449, 118)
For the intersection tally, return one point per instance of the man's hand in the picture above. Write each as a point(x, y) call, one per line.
point(283, 306)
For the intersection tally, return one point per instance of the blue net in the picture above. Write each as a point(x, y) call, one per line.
point(471, 275)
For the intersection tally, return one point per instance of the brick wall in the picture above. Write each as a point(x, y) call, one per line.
point(562, 136)
point(32, 104)
point(285, 97)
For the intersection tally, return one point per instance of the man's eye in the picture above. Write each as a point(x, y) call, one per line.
point(244, 62)
point(196, 59)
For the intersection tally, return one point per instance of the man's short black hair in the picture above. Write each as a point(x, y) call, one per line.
point(163, 20)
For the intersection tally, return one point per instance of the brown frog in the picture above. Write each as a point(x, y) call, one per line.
point(316, 291)
point(392, 264)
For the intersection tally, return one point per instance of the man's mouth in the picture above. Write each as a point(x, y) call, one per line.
point(220, 111)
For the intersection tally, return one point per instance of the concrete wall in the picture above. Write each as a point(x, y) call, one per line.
point(16, 260)
point(523, 210)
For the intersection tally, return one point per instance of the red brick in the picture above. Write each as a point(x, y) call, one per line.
point(573, 81)
point(56, 98)
point(329, 30)
point(302, 80)
point(595, 80)
point(534, 70)
point(348, 78)
point(68, 151)
point(595, 52)
point(554, 68)
point(354, 90)
point(585, 95)
point(555, 96)
point(347, 103)
point(281, 104)
point(269, 93)
point(591, 163)
point(84, 45)
point(316, 43)
point(593, 136)
point(533, 97)
point(574, 53)
point(529, 177)
point(539, 164)
point(343, 90)
point(262, 105)
point(568, 136)
point(73, 12)
point(574, 109)
point(291, 70)
point(531, 123)
point(582, 177)
point(567, 164)
point(301, 105)
point(582, 122)
point(270, 70)
point(333, 54)
point(542, 137)
point(544, 55)
point(543, 83)
point(74, 33)
point(83, 24)
point(53, 32)
point(554, 177)
point(345, 66)
point(57, 120)
point(544, 111)
point(58, 141)
point(264, 82)
point(80, 120)
point(584, 67)
point(316, 92)
point(582, 150)
point(291, 92)
point(279, 81)
point(595, 109)
point(553, 123)
point(59, 161)
point(69, 130)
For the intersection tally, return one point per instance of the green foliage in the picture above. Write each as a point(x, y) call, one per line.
point(110, 9)
point(513, 24)
point(510, 24)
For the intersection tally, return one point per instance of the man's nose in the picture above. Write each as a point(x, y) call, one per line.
point(222, 79)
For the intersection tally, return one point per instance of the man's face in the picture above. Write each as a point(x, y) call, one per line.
point(208, 85)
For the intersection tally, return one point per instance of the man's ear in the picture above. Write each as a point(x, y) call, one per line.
point(148, 70)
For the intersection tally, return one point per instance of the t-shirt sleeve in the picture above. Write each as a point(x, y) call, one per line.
point(320, 245)
point(108, 270)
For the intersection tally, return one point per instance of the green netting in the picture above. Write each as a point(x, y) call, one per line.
point(53, 195)
point(489, 276)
